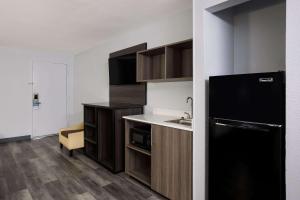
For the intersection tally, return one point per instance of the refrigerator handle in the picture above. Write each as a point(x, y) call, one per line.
point(227, 122)
point(245, 126)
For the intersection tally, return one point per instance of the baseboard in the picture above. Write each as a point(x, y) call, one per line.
point(15, 139)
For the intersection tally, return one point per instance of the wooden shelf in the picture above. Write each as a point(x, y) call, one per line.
point(90, 150)
point(168, 63)
point(179, 62)
point(90, 141)
point(138, 160)
point(151, 64)
point(143, 151)
point(140, 176)
point(90, 124)
point(89, 115)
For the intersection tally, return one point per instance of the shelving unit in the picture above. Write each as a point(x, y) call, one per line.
point(179, 60)
point(137, 160)
point(139, 150)
point(89, 116)
point(139, 166)
point(90, 132)
point(167, 63)
point(151, 64)
point(90, 149)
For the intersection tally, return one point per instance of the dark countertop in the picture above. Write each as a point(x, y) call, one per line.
point(109, 105)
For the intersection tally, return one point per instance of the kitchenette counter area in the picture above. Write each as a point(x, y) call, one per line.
point(162, 120)
point(158, 153)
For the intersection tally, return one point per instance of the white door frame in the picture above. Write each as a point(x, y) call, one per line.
point(32, 90)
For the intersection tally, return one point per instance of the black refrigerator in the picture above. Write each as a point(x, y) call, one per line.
point(247, 137)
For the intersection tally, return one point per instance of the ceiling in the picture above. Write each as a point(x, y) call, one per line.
point(76, 25)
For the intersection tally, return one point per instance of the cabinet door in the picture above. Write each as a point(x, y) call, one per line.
point(106, 137)
point(171, 162)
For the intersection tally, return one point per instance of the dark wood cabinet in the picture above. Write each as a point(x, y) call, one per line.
point(173, 62)
point(104, 133)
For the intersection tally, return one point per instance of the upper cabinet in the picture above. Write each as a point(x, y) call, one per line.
point(172, 62)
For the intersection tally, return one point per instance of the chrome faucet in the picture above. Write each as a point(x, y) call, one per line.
point(187, 101)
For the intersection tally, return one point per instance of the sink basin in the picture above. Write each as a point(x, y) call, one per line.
point(186, 122)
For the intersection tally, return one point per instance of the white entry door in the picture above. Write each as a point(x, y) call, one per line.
point(49, 98)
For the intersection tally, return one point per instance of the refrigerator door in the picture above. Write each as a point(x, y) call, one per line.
point(246, 161)
point(250, 97)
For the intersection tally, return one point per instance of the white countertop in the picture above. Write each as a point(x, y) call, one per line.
point(158, 120)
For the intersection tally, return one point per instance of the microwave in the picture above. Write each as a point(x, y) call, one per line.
point(140, 137)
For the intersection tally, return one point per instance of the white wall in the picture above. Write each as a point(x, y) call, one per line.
point(199, 129)
point(16, 92)
point(218, 43)
point(91, 67)
point(259, 38)
point(293, 100)
point(246, 39)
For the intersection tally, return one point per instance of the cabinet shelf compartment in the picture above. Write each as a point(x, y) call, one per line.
point(106, 138)
point(179, 60)
point(135, 148)
point(89, 115)
point(139, 166)
point(151, 64)
point(90, 150)
point(90, 134)
point(90, 141)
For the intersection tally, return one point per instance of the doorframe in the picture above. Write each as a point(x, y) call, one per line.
point(32, 90)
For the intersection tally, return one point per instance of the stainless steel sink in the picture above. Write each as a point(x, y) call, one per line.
point(186, 122)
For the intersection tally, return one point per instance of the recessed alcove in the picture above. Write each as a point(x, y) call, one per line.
point(246, 38)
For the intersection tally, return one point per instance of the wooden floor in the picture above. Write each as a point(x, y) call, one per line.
point(39, 170)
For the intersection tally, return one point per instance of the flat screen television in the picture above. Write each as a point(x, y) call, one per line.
point(122, 70)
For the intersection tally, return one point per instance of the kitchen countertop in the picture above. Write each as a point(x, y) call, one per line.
point(158, 120)
point(110, 105)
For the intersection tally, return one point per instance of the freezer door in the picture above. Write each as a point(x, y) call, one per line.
point(246, 161)
point(249, 97)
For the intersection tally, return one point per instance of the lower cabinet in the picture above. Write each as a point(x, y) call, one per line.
point(104, 134)
point(169, 161)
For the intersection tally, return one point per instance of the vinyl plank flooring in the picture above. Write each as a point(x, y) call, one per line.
point(40, 170)
point(21, 195)
point(57, 190)
point(84, 196)
point(3, 188)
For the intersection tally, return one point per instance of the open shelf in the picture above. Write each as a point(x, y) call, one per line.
point(89, 115)
point(179, 60)
point(138, 160)
point(139, 166)
point(90, 149)
point(151, 64)
point(140, 176)
point(90, 133)
point(90, 141)
point(90, 124)
point(135, 148)
point(168, 63)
